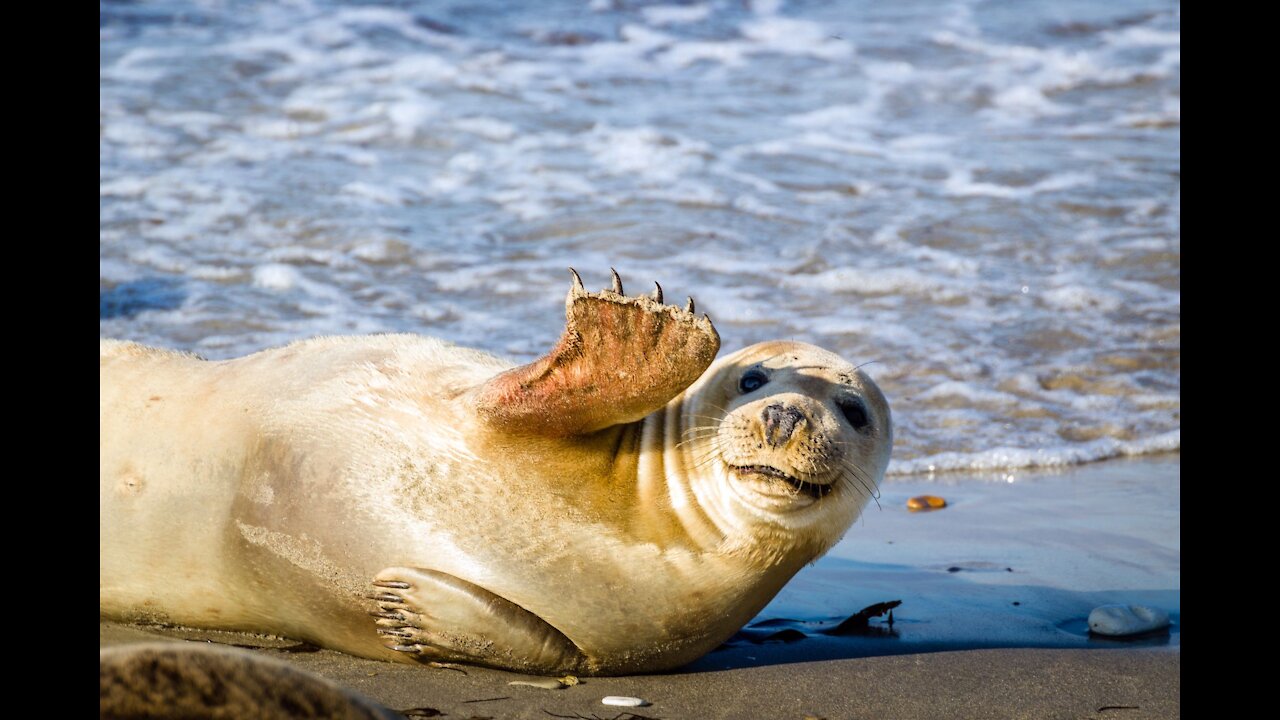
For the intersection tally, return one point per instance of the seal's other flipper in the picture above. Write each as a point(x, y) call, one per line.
point(619, 359)
point(436, 616)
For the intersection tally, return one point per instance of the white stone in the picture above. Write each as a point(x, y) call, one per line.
point(623, 701)
point(1126, 619)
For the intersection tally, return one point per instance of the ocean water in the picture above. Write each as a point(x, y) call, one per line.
point(1005, 564)
point(980, 198)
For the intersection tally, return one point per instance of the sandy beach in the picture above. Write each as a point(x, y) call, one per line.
point(1005, 683)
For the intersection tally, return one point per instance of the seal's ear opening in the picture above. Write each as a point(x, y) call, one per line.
point(619, 359)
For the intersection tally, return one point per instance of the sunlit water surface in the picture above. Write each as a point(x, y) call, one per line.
point(980, 197)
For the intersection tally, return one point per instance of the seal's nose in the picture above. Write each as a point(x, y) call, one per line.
point(780, 422)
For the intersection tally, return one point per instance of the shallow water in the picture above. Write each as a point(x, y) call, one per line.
point(980, 197)
point(1005, 564)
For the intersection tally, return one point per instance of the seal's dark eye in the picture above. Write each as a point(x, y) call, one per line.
point(854, 412)
point(752, 380)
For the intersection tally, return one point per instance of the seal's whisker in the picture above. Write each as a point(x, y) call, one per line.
point(711, 418)
point(690, 437)
point(711, 450)
point(724, 410)
point(682, 443)
point(704, 462)
point(857, 486)
point(706, 428)
point(713, 447)
point(702, 437)
point(875, 489)
point(860, 476)
point(714, 452)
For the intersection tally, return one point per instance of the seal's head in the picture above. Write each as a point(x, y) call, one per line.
point(790, 442)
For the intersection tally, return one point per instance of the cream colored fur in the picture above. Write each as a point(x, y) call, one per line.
point(264, 494)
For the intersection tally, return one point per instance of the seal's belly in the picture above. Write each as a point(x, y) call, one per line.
point(166, 484)
point(610, 594)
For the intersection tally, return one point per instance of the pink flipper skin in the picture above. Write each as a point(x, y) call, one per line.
point(619, 359)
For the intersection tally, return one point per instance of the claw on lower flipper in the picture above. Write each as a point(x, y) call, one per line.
point(617, 282)
point(448, 618)
point(385, 597)
point(657, 292)
point(392, 584)
point(577, 282)
point(688, 307)
point(387, 614)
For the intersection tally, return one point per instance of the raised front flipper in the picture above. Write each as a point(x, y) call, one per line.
point(435, 616)
point(619, 359)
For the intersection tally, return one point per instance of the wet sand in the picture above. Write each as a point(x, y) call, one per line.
point(1001, 683)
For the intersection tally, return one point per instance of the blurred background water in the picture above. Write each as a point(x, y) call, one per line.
point(981, 197)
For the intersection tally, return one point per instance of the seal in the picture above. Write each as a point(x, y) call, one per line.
point(618, 505)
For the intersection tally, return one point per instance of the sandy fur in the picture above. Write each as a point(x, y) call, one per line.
point(264, 493)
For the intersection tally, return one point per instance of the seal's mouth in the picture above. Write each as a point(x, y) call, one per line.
point(814, 490)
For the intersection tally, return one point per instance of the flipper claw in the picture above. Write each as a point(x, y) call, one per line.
point(449, 619)
point(396, 584)
point(577, 282)
point(618, 359)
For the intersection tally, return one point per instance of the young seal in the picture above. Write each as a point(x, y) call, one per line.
point(608, 508)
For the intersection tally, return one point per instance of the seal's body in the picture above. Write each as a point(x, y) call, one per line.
point(584, 513)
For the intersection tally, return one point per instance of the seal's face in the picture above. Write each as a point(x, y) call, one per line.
point(795, 437)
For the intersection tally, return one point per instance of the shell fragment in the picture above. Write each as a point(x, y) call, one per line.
point(624, 701)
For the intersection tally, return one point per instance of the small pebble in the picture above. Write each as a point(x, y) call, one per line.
point(570, 680)
point(544, 683)
point(1126, 619)
point(926, 502)
point(624, 701)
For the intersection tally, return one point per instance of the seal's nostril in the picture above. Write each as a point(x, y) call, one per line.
point(780, 423)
